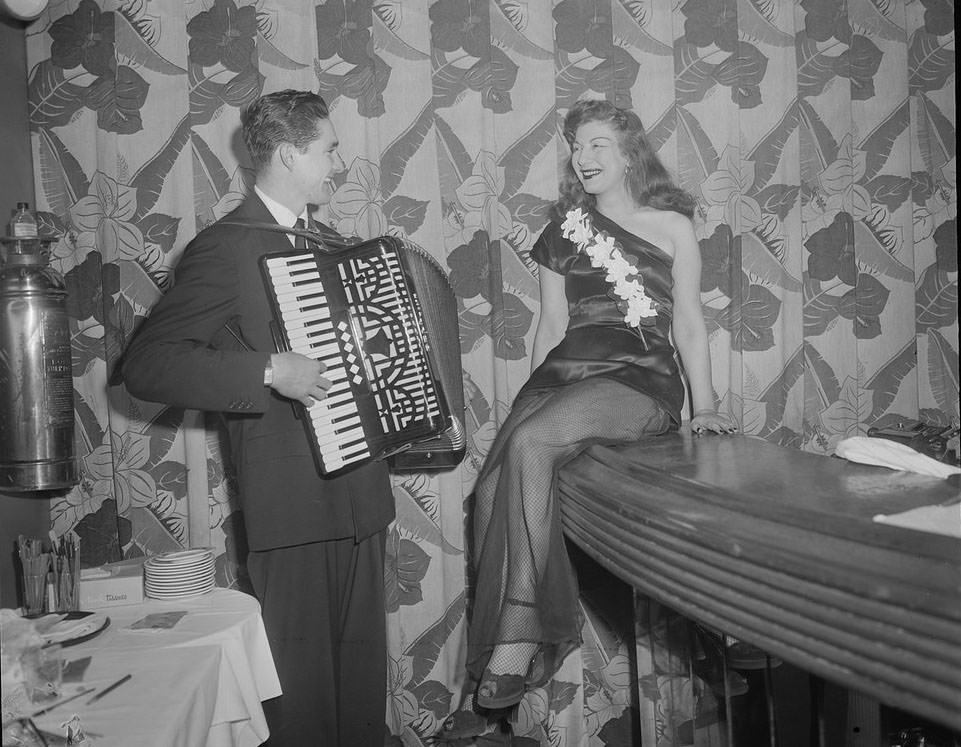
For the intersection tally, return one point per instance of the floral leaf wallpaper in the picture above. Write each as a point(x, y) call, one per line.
point(818, 139)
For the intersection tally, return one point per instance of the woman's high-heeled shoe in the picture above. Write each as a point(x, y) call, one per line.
point(499, 691)
point(465, 725)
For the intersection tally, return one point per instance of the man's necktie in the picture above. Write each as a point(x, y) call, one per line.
point(300, 242)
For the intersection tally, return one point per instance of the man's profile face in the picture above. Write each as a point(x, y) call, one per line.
point(317, 163)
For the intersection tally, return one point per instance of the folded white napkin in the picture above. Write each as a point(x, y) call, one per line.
point(892, 454)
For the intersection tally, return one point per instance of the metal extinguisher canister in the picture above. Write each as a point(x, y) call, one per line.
point(36, 381)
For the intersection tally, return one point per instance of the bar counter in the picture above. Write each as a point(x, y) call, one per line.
point(778, 547)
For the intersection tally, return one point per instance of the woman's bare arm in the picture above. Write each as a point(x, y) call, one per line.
point(552, 322)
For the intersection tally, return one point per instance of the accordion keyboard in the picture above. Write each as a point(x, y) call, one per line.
point(310, 331)
point(358, 314)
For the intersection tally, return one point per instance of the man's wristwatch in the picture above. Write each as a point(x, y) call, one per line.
point(269, 373)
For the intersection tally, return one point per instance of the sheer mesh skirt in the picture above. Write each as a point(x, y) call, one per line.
point(523, 587)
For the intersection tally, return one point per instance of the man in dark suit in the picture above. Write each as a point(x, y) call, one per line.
point(316, 544)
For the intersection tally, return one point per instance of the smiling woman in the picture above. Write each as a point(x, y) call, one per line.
point(603, 370)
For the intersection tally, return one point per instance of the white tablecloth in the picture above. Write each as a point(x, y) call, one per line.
point(200, 683)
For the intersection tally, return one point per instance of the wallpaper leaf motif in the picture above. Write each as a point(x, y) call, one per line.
point(937, 136)
point(775, 395)
point(757, 19)
point(763, 264)
point(818, 145)
point(879, 143)
point(930, 61)
point(751, 320)
point(456, 154)
point(766, 155)
point(506, 34)
point(398, 153)
point(879, 20)
point(405, 566)
point(387, 39)
point(618, 73)
point(415, 522)
point(631, 19)
point(815, 68)
point(427, 647)
point(53, 99)
point(889, 190)
point(133, 42)
point(271, 55)
point(778, 199)
point(211, 180)
point(873, 255)
point(693, 74)
point(862, 62)
point(117, 101)
point(517, 158)
point(821, 308)
point(936, 299)
point(864, 304)
point(62, 178)
point(570, 83)
point(660, 129)
point(697, 157)
point(943, 376)
point(160, 229)
point(886, 382)
point(150, 177)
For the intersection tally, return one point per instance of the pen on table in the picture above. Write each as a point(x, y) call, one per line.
point(61, 702)
point(108, 689)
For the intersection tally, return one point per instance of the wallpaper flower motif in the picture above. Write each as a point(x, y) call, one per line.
point(116, 92)
point(344, 40)
point(103, 219)
point(223, 35)
point(84, 38)
point(222, 42)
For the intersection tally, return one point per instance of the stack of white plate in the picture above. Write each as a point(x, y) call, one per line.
point(186, 573)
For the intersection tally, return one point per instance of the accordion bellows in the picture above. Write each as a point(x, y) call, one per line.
point(382, 316)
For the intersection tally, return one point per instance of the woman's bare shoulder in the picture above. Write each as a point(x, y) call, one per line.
point(664, 228)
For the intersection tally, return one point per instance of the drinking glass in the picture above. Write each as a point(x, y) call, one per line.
point(34, 588)
point(43, 672)
point(68, 591)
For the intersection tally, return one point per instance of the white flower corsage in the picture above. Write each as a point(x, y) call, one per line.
point(627, 285)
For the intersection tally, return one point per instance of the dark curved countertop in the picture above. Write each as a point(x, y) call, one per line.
point(778, 547)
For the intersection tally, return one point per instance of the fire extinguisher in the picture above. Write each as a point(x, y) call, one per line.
point(36, 381)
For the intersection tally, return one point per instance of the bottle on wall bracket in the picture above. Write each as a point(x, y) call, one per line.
point(23, 224)
point(36, 369)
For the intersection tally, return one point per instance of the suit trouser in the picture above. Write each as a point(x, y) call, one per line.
point(323, 609)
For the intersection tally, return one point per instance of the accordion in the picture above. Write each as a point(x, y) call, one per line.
point(382, 316)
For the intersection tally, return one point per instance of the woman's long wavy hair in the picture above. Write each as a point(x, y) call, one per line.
point(648, 182)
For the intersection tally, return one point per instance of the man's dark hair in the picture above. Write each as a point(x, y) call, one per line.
point(287, 116)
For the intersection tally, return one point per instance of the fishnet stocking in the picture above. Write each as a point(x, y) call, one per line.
point(525, 593)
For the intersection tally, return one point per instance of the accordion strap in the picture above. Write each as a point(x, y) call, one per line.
point(326, 238)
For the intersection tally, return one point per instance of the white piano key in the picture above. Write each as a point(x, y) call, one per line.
point(281, 270)
point(308, 324)
point(345, 424)
point(332, 432)
point(316, 333)
point(299, 315)
point(284, 283)
point(289, 295)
